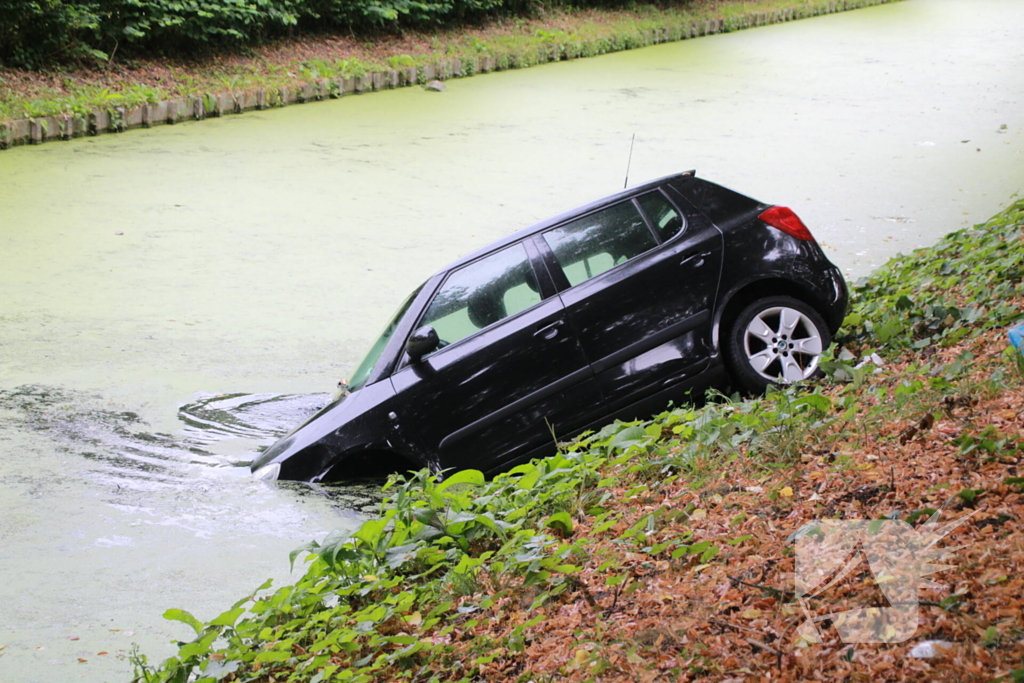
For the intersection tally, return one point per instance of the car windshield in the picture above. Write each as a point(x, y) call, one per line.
point(362, 372)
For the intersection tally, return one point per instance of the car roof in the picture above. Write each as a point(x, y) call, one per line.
point(565, 216)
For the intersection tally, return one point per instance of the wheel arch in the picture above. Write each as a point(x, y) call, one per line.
point(369, 463)
point(749, 292)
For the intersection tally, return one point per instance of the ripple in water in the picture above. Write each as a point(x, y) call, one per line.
point(254, 421)
point(220, 436)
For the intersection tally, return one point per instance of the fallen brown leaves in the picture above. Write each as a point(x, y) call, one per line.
point(735, 619)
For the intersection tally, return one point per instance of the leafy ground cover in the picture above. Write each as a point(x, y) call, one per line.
point(130, 82)
point(664, 549)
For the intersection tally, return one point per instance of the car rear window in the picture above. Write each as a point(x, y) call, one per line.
point(663, 215)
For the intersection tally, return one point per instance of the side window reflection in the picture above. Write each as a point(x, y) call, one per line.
point(481, 294)
point(596, 243)
point(663, 216)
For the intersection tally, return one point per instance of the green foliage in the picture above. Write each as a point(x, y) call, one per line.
point(439, 554)
point(366, 590)
point(772, 431)
point(970, 496)
point(959, 288)
point(401, 61)
point(316, 69)
point(987, 445)
point(45, 31)
point(383, 598)
point(34, 33)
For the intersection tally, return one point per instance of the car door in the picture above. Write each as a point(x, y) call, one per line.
point(508, 375)
point(639, 283)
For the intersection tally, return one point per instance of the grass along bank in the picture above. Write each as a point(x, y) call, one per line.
point(38, 106)
point(662, 549)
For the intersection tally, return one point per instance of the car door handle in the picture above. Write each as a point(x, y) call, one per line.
point(549, 331)
point(695, 260)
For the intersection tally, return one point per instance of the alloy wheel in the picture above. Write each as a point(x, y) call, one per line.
point(782, 345)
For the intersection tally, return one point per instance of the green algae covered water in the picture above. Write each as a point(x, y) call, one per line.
point(171, 300)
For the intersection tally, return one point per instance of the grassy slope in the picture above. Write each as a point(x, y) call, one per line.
point(132, 82)
point(658, 550)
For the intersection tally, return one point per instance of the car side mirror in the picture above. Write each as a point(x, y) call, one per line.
point(421, 342)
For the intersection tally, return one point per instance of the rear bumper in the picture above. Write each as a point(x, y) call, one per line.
point(839, 300)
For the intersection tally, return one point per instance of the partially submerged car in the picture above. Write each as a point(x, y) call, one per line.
point(607, 311)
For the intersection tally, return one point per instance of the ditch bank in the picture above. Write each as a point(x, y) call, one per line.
point(119, 118)
point(668, 549)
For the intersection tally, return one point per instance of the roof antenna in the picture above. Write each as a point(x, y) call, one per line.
point(629, 161)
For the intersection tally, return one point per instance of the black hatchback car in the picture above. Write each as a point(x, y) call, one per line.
point(606, 311)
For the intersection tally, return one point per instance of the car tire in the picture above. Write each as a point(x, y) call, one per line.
point(775, 340)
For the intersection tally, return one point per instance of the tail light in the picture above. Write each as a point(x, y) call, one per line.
point(784, 219)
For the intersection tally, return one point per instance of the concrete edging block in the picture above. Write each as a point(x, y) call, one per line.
point(52, 128)
point(19, 132)
point(79, 126)
point(175, 111)
point(157, 113)
point(226, 103)
point(136, 117)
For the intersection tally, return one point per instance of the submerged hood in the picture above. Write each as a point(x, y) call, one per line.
point(348, 425)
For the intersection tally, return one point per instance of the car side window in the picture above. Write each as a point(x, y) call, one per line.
point(481, 294)
point(663, 215)
point(591, 245)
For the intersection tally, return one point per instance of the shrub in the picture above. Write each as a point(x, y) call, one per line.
point(35, 32)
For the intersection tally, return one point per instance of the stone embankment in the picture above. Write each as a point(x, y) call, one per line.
point(196, 108)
